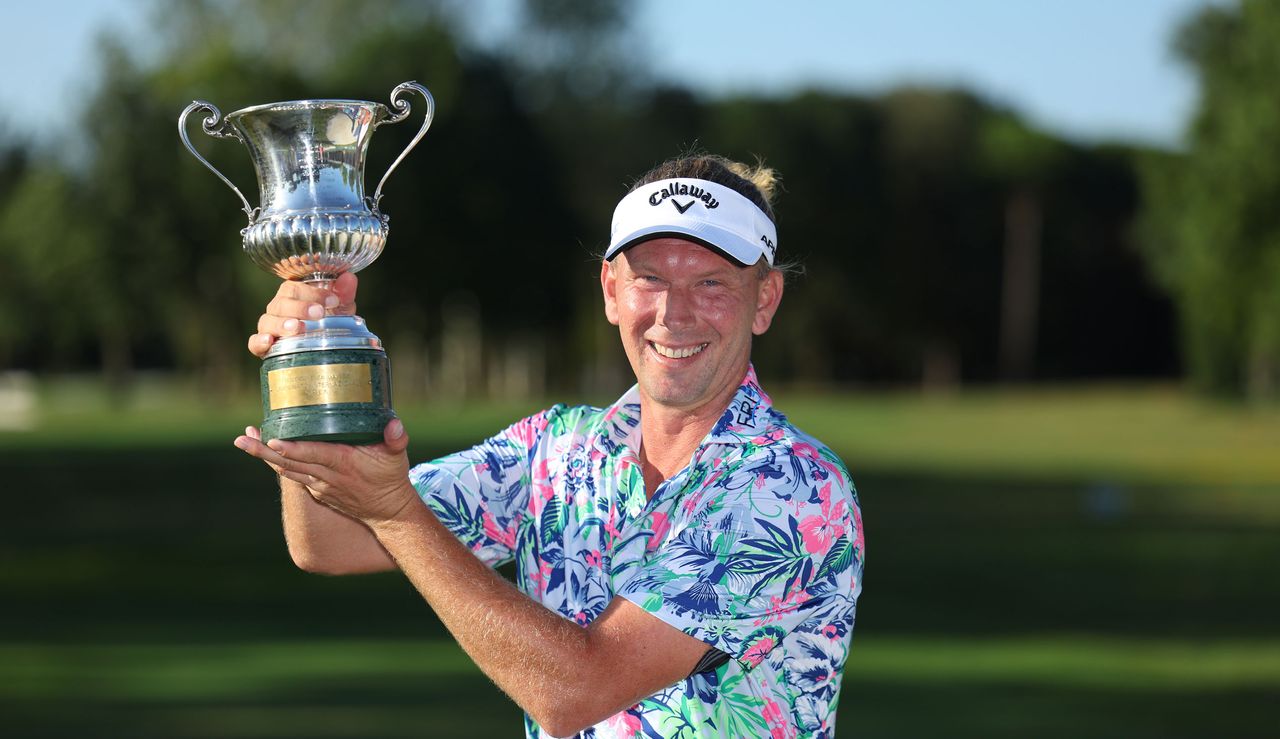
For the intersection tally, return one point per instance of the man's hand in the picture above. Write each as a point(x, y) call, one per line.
point(368, 483)
point(296, 302)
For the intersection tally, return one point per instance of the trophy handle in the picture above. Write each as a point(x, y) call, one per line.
point(402, 111)
point(215, 126)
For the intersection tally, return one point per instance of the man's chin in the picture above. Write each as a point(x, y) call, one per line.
point(673, 393)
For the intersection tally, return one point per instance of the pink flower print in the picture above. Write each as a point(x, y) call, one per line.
point(758, 651)
point(661, 525)
point(811, 453)
point(820, 532)
point(777, 606)
point(611, 524)
point(543, 490)
point(526, 432)
point(593, 558)
point(624, 724)
point(830, 631)
point(496, 533)
point(581, 618)
point(540, 576)
point(858, 542)
point(779, 723)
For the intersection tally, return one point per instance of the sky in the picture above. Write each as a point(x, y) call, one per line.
point(1090, 70)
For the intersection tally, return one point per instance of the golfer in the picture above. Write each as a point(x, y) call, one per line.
point(688, 562)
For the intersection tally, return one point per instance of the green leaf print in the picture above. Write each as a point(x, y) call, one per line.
point(738, 713)
point(838, 558)
point(551, 522)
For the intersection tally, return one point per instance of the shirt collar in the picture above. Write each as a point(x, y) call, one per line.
point(747, 418)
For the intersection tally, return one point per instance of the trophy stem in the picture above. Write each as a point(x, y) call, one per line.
point(324, 283)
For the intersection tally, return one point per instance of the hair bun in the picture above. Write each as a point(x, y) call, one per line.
point(765, 179)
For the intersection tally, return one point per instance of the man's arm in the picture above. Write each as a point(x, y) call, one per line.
point(565, 676)
point(320, 539)
point(323, 541)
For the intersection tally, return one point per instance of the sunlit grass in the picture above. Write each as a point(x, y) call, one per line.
point(255, 669)
point(1139, 434)
point(1151, 434)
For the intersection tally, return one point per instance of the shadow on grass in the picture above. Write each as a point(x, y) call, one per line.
point(467, 707)
point(183, 547)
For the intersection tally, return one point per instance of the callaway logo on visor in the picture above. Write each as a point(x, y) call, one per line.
point(726, 220)
point(680, 189)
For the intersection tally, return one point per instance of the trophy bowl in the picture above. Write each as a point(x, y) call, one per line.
point(332, 382)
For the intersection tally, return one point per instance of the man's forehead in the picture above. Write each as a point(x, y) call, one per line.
point(679, 252)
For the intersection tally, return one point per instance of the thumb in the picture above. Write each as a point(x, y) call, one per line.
point(395, 437)
point(345, 288)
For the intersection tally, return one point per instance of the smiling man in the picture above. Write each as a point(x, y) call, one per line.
point(688, 562)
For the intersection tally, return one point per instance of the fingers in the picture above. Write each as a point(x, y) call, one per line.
point(345, 288)
point(276, 326)
point(309, 456)
point(293, 303)
point(303, 292)
point(255, 435)
point(285, 307)
point(259, 344)
point(295, 469)
point(394, 437)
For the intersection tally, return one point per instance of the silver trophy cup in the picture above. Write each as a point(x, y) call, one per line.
point(332, 381)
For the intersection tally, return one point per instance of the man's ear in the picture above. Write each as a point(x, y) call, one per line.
point(609, 286)
point(768, 296)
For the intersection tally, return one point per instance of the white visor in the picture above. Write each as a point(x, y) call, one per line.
point(697, 210)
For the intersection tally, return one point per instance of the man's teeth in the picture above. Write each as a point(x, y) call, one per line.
point(667, 351)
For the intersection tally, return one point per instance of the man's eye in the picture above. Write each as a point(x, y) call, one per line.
point(712, 283)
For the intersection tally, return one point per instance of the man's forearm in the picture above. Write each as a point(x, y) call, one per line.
point(543, 661)
point(323, 540)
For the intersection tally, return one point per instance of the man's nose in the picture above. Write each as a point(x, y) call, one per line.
point(675, 310)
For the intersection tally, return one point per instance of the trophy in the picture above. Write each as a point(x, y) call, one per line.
point(332, 382)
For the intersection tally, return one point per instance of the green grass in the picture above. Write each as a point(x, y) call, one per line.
point(250, 669)
point(1130, 434)
point(1140, 434)
point(343, 687)
point(1090, 562)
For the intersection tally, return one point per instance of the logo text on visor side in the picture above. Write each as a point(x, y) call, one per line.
point(697, 193)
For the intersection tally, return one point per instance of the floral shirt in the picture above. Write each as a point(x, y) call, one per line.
point(755, 548)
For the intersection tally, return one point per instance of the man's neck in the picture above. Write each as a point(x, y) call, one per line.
point(669, 437)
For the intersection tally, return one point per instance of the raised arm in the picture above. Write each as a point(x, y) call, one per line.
point(319, 538)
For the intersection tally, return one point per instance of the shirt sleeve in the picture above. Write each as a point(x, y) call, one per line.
point(760, 547)
point(481, 493)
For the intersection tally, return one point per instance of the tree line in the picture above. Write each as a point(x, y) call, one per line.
point(945, 240)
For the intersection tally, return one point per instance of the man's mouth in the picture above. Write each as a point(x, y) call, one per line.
point(677, 353)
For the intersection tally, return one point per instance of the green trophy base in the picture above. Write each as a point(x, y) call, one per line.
point(334, 395)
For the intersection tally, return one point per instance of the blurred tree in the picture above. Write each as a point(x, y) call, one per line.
point(14, 162)
point(575, 52)
point(1024, 159)
point(164, 231)
point(1212, 230)
point(899, 205)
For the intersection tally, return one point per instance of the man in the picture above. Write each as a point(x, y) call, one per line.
point(688, 562)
